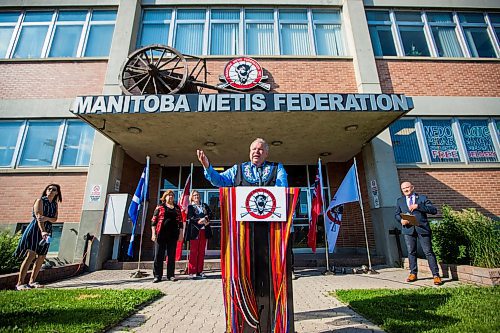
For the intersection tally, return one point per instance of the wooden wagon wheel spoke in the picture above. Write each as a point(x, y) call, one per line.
point(165, 84)
point(166, 63)
point(143, 74)
point(154, 85)
point(136, 75)
point(138, 82)
point(160, 58)
point(144, 88)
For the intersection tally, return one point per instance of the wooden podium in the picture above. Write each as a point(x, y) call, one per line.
point(256, 258)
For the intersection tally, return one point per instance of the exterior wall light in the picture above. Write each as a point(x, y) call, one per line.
point(161, 155)
point(277, 143)
point(210, 144)
point(134, 130)
point(351, 128)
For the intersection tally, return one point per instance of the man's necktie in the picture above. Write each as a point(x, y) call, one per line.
point(411, 200)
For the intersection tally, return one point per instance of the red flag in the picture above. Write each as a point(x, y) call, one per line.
point(316, 210)
point(183, 203)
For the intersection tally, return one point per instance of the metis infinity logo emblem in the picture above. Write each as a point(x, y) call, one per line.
point(243, 74)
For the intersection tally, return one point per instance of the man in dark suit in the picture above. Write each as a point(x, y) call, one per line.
point(419, 206)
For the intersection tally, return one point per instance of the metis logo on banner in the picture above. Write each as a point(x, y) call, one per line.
point(261, 204)
point(243, 74)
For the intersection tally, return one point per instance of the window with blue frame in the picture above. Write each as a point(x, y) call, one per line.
point(8, 141)
point(45, 144)
point(438, 34)
point(411, 30)
point(444, 34)
point(259, 31)
point(379, 25)
point(476, 35)
point(440, 139)
point(478, 141)
point(405, 142)
point(190, 26)
point(8, 22)
point(294, 32)
point(77, 144)
point(224, 31)
point(327, 32)
point(155, 27)
point(60, 33)
point(233, 31)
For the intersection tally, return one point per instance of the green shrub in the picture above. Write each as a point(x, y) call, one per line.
point(8, 244)
point(448, 242)
point(467, 237)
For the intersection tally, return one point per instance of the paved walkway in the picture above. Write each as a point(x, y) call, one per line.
point(197, 305)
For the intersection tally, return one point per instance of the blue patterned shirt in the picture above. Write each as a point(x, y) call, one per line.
point(227, 177)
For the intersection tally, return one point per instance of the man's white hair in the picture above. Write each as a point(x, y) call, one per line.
point(260, 140)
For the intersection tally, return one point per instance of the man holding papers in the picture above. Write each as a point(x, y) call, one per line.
point(411, 212)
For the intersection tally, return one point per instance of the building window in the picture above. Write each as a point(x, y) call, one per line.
point(189, 31)
point(437, 34)
point(244, 31)
point(60, 33)
point(478, 141)
point(8, 141)
point(155, 27)
point(102, 25)
point(411, 31)
point(476, 35)
point(444, 34)
point(259, 32)
point(440, 139)
point(8, 22)
point(77, 144)
point(379, 25)
point(327, 33)
point(42, 144)
point(39, 144)
point(405, 142)
point(294, 32)
point(224, 31)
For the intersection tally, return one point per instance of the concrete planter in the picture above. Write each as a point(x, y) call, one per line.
point(463, 273)
point(8, 281)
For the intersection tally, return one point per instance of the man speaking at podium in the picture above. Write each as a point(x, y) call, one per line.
point(257, 172)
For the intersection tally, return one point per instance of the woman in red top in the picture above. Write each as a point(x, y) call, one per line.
point(166, 230)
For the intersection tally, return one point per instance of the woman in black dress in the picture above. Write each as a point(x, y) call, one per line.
point(35, 241)
point(166, 230)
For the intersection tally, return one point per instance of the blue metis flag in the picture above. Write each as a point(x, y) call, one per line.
point(141, 193)
point(347, 192)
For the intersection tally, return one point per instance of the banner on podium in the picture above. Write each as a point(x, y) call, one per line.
point(261, 204)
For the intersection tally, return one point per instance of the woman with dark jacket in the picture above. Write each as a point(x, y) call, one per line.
point(166, 230)
point(198, 231)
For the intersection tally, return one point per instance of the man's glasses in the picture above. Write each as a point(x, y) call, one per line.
point(52, 189)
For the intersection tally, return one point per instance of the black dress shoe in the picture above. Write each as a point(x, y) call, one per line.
point(156, 280)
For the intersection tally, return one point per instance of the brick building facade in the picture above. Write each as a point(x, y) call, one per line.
point(339, 51)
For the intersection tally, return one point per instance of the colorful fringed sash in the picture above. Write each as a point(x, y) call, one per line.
point(239, 297)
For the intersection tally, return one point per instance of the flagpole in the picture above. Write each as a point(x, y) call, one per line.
point(186, 271)
point(139, 274)
point(323, 212)
point(370, 269)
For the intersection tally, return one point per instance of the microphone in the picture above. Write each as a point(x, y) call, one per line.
point(259, 172)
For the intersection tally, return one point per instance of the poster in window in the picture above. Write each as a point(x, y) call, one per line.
point(441, 141)
point(478, 142)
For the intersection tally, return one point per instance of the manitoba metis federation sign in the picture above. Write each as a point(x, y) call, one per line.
point(243, 74)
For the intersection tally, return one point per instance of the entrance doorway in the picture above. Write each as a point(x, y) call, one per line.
point(301, 176)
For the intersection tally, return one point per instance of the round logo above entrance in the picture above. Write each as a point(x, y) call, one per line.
point(243, 74)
